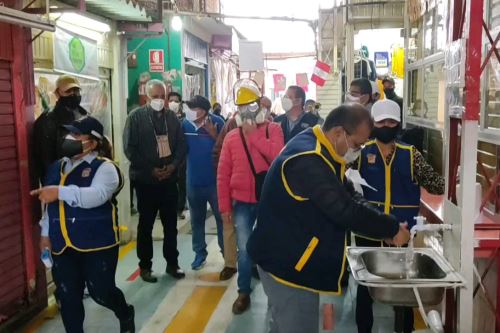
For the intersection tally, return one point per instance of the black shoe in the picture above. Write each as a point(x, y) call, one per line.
point(147, 276)
point(128, 325)
point(175, 272)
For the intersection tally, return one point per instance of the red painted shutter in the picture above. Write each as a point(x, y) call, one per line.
point(12, 271)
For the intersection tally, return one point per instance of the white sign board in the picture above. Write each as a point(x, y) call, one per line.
point(75, 54)
point(251, 56)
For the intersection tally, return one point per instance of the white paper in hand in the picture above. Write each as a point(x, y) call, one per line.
point(355, 177)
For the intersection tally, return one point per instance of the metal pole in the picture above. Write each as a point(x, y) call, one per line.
point(468, 169)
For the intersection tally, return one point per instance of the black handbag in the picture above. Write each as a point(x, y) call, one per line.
point(261, 176)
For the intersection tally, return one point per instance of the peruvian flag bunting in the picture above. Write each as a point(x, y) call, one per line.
point(320, 73)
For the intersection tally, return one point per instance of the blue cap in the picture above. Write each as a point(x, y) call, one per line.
point(86, 126)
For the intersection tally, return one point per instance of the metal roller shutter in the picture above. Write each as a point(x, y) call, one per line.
point(12, 271)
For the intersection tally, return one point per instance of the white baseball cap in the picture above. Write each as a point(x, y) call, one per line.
point(386, 109)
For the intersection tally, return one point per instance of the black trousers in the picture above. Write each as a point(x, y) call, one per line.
point(403, 316)
point(152, 199)
point(73, 270)
point(181, 185)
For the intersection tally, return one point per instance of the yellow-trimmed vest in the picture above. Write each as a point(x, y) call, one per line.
point(397, 190)
point(294, 241)
point(84, 230)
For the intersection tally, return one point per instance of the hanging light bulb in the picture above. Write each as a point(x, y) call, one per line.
point(176, 23)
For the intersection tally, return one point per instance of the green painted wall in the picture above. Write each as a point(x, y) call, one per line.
point(173, 60)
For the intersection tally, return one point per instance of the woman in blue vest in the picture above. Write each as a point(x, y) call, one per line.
point(80, 225)
point(397, 171)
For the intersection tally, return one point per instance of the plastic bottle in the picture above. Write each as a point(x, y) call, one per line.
point(46, 257)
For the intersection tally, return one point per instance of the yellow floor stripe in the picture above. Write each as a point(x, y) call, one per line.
point(418, 321)
point(210, 277)
point(124, 250)
point(196, 312)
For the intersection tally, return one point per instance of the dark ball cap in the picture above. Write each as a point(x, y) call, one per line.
point(86, 126)
point(199, 102)
point(388, 79)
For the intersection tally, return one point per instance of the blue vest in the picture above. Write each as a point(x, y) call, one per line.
point(397, 190)
point(82, 229)
point(293, 240)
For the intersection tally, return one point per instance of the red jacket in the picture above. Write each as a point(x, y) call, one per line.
point(235, 180)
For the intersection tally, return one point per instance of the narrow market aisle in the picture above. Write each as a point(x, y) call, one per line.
point(197, 304)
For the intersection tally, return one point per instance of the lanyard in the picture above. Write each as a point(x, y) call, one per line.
point(153, 125)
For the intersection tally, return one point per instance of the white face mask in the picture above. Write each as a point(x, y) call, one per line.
point(351, 99)
point(157, 104)
point(286, 103)
point(174, 106)
point(190, 114)
point(351, 155)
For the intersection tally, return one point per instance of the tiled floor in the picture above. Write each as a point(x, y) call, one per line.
point(158, 305)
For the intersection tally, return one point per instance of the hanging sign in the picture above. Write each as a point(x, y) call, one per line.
point(251, 56)
point(381, 59)
point(320, 73)
point(75, 54)
point(302, 81)
point(279, 82)
point(156, 61)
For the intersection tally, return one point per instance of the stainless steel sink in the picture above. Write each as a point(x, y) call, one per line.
point(384, 272)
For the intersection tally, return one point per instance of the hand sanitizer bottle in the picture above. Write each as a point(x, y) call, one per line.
point(46, 257)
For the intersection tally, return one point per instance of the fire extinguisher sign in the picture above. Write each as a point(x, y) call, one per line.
point(156, 61)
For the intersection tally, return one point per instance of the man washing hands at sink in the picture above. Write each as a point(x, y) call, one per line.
point(395, 172)
point(306, 211)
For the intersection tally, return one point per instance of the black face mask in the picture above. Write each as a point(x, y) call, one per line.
point(389, 92)
point(71, 102)
point(71, 148)
point(385, 134)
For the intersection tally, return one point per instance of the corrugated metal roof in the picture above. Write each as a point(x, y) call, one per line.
point(118, 10)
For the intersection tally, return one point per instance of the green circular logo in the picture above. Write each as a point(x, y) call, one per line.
point(77, 54)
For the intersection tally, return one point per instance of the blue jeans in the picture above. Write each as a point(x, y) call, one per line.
point(197, 198)
point(244, 217)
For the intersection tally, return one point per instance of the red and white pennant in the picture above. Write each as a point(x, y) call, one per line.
point(320, 73)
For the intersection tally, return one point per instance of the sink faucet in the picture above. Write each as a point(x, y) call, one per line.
point(421, 226)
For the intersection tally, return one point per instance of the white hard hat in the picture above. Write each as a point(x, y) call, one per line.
point(386, 109)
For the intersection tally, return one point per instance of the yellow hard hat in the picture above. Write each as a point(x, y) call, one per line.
point(246, 91)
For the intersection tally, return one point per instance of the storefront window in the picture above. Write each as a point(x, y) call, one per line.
point(434, 93)
point(488, 162)
point(435, 29)
point(415, 41)
point(415, 106)
point(492, 100)
point(433, 149)
point(494, 14)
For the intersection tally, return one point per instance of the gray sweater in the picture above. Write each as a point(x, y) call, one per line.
point(139, 142)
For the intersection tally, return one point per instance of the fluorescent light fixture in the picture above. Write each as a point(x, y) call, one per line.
point(85, 22)
point(176, 23)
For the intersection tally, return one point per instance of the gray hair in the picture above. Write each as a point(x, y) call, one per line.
point(154, 83)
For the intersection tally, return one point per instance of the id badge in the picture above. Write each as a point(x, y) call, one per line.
point(163, 146)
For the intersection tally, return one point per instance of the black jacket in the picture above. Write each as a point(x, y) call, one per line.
point(308, 120)
point(305, 214)
point(48, 135)
point(139, 143)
